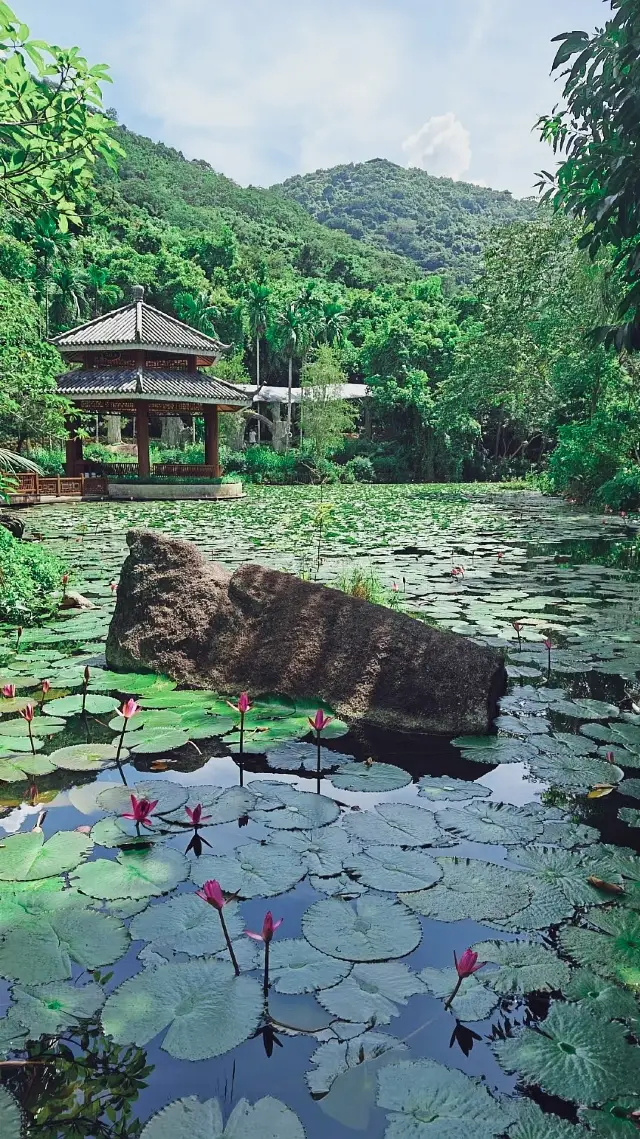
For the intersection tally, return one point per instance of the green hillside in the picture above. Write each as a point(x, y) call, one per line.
point(157, 181)
point(438, 223)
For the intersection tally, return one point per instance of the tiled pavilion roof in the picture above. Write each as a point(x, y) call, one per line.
point(149, 384)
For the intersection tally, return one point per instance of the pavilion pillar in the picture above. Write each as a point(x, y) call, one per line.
point(211, 441)
point(73, 451)
point(142, 437)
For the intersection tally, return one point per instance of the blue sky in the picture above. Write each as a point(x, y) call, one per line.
point(264, 89)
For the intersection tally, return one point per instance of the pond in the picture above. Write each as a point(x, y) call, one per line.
point(120, 1010)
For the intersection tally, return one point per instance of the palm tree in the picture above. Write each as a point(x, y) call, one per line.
point(103, 289)
point(289, 324)
point(334, 321)
point(47, 241)
point(258, 311)
point(197, 310)
point(10, 464)
point(70, 283)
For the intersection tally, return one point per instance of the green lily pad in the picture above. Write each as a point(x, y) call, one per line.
point(479, 891)
point(11, 744)
point(324, 852)
point(72, 705)
point(613, 1121)
point(170, 796)
point(390, 868)
point(440, 787)
point(611, 949)
point(40, 947)
point(374, 929)
point(378, 777)
point(206, 1010)
point(26, 857)
point(18, 767)
point(296, 967)
point(495, 823)
point(533, 1123)
point(336, 1057)
point(133, 874)
point(576, 1056)
point(606, 998)
point(85, 757)
point(10, 1116)
point(252, 871)
point(39, 727)
point(300, 756)
point(395, 824)
point(220, 804)
point(630, 816)
point(371, 993)
point(190, 1119)
point(154, 743)
point(283, 807)
point(428, 1101)
point(524, 967)
point(473, 1001)
point(46, 1009)
point(186, 924)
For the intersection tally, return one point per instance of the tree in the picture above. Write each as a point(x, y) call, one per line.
point(325, 417)
point(30, 408)
point(51, 128)
point(70, 282)
point(197, 311)
point(598, 134)
point(334, 322)
point(289, 328)
point(258, 307)
point(103, 289)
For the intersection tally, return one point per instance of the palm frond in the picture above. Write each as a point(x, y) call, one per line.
point(9, 461)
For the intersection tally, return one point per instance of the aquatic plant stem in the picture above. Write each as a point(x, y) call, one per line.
point(265, 985)
point(242, 749)
point(449, 1001)
point(33, 746)
point(232, 955)
point(121, 741)
point(318, 763)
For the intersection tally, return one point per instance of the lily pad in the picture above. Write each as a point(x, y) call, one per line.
point(577, 1056)
point(325, 852)
point(395, 824)
point(296, 967)
point(440, 787)
point(86, 757)
point(479, 891)
point(473, 1001)
point(155, 743)
point(190, 1119)
point(205, 1008)
point(335, 1057)
point(428, 1101)
point(533, 1123)
point(371, 993)
point(283, 807)
point(299, 756)
point(27, 857)
point(524, 967)
point(46, 1009)
point(72, 705)
point(134, 874)
point(602, 995)
point(378, 777)
point(390, 868)
point(10, 1116)
point(611, 949)
point(40, 947)
point(373, 929)
point(495, 823)
point(170, 796)
point(253, 871)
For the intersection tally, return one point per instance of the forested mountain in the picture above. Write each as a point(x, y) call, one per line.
point(156, 180)
point(438, 223)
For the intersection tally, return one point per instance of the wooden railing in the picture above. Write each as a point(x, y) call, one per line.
point(159, 470)
point(54, 486)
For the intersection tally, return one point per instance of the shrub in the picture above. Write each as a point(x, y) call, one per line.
point(622, 492)
point(364, 584)
point(590, 454)
point(49, 459)
point(361, 468)
point(29, 575)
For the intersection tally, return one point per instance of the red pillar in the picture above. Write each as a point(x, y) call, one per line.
point(73, 451)
point(211, 449)
point(142, 437)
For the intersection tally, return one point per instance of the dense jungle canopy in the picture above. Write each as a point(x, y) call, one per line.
point(515, 358)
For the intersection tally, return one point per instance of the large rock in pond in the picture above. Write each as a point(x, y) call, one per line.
point(265, 631)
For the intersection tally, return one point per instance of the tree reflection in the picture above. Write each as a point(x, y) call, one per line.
point(79, 1085)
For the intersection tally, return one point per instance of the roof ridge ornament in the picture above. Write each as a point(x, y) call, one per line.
point(138, 298)
point(137, 294)
point(139, 384)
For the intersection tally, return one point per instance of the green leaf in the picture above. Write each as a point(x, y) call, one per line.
point(46, 1009)
point(72, 705)
point(374, 929)
point(152, 743)
point(10, 1116)
point(296, 967)
point(206, 1009)
point(390, 868)
point(280, 805)
point(336, 1057)
point(574, 1055)
point(479, 891)
point(395, 824)
point(26, 857)
point(525, 967)
point(494, 823)
point(85, 757)
point(371, 993)
point(190, 1119)
point(170, 796)
point(186, 924)
point(602, 996)
point(253, 871)
point(40, 947)
point(133, 874)
point(474, 1001)
point(378, 777)
point(441, 787)
point(612, 949)
point(324, 852)
point(613, 1120)
point(533, 1123)
point(425, 1100)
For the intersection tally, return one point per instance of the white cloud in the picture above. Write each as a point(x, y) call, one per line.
point(266, 86)
point(442, 146)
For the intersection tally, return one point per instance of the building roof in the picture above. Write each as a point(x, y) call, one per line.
point(149, 384)
point(270, 394)
point(138, 325)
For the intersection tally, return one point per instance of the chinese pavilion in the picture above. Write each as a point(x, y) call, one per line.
point(139, 361)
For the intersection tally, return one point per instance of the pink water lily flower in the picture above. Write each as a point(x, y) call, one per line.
point(9, 691)
point(320, 721)
point(468, 963)
point(28, 713)
point(212, 894)
point(141, 810)
point(196, 815)
point(244, 704)
point(46, 687)
point(129, 708)
point(548, 644)
point(269, 927)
